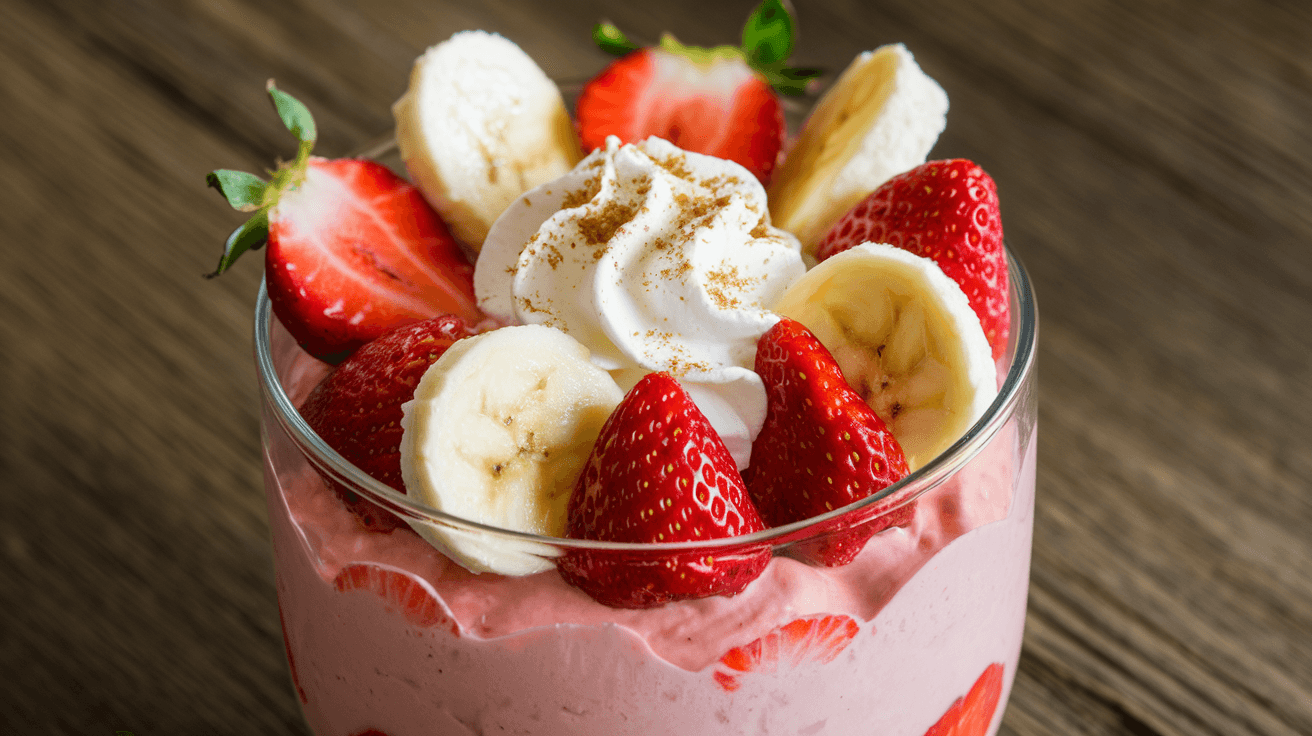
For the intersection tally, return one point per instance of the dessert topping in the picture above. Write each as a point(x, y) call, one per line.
point(657, 259)
point(498, 432)
point(354, 251)
point(906, 340)
point(658, 473)
point(479, 125)
point(880, 118)
point(822, 447)
point(719, 101)
point(947, 211)
point(356, 409)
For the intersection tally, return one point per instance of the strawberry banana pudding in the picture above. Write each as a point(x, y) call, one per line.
point(633, 424)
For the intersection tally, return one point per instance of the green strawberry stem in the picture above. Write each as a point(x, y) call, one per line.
point(767, 41)
point(249, 193)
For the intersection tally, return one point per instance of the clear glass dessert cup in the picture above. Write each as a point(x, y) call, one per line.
point(385, 635)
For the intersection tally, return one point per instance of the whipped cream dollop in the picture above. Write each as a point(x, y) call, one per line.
point(656, 259)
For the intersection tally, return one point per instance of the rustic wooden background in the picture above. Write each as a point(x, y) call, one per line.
point(1155, 164)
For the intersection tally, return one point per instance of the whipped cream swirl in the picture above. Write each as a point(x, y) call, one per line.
point(656, 259)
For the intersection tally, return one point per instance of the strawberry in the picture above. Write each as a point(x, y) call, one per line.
point(816, 639)
point(356, 409)
point(946, 211)
point(719, 101)
point(821, 447)
point(659, 473)
point(354, 250)
point(973, 714)
point(402, 592)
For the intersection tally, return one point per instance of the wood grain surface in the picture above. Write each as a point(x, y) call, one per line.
point(1154, 160)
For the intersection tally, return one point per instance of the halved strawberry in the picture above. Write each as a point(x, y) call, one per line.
point(815, 639)
point(719, 101)
point(703, 101)
point(354, 250)
point(821, 447)
point(659, 473)
point(356, 409)
point(972, 715)
point(946, 211)
point(403, 593)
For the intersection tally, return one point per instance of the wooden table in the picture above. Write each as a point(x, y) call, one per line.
point(1155, 167)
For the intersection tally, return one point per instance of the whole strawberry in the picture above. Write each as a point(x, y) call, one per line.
point(659, 473)
point(821, 447)
point(719, 101)
point(946, 211)
point(356, 409)
point(354, 250)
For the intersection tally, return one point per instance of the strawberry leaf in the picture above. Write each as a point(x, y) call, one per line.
point(769, 34)
point(295, 116)
point(611, 39)
point(252, 235)
point(790, 81)
point(245, 192)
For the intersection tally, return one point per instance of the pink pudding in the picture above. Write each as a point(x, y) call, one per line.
point(386, 635)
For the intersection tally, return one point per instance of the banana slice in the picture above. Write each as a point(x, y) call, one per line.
point(480, 125)
point(881, 117)
point(905, 338)
point(498, 432)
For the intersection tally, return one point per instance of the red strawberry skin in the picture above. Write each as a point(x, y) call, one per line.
point(946, 211)
point(972, 715)
point(718, 107)
point(821, 447)
point(355, 251)
point(660, 473)
point(356, 409)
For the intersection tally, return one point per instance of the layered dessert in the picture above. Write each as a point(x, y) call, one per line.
point(633, 423)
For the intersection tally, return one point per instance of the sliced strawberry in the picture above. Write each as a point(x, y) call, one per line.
point(719, 101)
point(946, 211)
point(356, 409)
point(821, 448)
point(973, 714)
point(705, 101)
point(659, 473)
point(354, 250)
point(815, 639)
point(403, 593)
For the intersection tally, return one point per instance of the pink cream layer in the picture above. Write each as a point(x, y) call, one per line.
point(934, 604)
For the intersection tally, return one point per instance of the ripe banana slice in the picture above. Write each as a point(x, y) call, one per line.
point(881, 117)
point(480, 125)
point(906, 339)
point(498, 432)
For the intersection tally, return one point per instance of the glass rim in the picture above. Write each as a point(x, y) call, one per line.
point(915, 484)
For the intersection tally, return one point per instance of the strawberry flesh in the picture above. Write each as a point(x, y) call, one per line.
point(659, 473)
point(355, 251)
point(973, 714)
point(815, 639)
point(712, 104)
point(401, 592)
point(356, 409)
point(821, 447)
point(946, 211)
